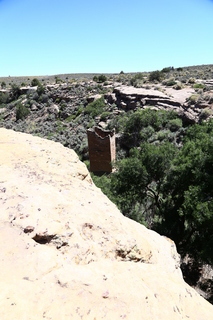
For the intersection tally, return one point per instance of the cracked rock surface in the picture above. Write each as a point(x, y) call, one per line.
point(66, 252)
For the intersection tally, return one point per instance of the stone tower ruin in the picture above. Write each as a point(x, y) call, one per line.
point(102, 150)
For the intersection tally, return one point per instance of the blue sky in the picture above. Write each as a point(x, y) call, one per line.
point(46, 37)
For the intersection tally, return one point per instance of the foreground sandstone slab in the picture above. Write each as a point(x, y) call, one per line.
point(66, 252)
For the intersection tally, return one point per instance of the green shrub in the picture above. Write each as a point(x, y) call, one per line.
point(205, 113)
point(191, 80)
point(3, 85)
point(101, 78)
point(35, 82)
point(95, 78)
point(119, 122)
point(4, 97)
point(95, 108)
point(170, 82)
point(193, 98)
point(58, 80)
point(40, 89)
point(21, 112)
point(167, 69)
point(174, 124)
point(15, 91)
point(140, 125)
point(75, 115)
point(162, 135)
point(138, 77)
point(105, 115)
point(79, 111)
point(155, 76)
point(91, 124)
point(104, 183)
point(178, 86)
point(198, 86)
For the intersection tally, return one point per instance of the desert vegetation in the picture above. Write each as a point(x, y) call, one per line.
point(164, 179)
point(163, 173)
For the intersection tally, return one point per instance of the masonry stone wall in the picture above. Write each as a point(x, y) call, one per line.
point(102, 149)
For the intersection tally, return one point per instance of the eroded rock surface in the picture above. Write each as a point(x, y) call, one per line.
point(67, 252)
point(131, 98)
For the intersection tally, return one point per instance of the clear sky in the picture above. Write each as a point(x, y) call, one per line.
point(47, 37)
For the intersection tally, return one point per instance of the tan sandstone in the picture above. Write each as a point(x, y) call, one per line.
point(66, 252)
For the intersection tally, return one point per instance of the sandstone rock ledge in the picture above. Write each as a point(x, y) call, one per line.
point(66, 252)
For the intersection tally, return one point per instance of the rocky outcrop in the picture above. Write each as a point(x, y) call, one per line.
point(131, 98)
point(66, 251)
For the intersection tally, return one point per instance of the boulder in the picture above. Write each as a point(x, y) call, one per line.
point(67, 252)
point(2, 110)
point(110, 97)
point(54, 109)
point(33, 107)
point(93, 98)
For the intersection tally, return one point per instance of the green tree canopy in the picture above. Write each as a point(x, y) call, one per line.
point(35, 82)
point(170, 189)
point(188, 208)
point(3, 85)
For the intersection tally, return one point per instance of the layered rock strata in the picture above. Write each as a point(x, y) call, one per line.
point(131, 98)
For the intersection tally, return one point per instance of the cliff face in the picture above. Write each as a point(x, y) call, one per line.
point(66, 251)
